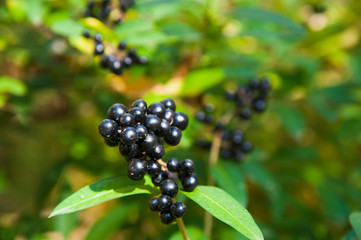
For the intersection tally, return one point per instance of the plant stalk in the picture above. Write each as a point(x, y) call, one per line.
point(182, 228)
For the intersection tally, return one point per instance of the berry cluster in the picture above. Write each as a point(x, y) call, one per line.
point(251, 96)
point(140, 132)
point(122, 56)
point(233, 145)
point(169, 189)
point(108, 11)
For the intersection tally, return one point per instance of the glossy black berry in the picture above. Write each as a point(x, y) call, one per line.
point(239, 156)
point(153, 168)
point(104, 61)
point(247, 146)
point(166, 217)
point(169, 115)
point(138, 114)
point(201, 116)
point(99, 49)
point(149, 143)
point(158, 152)
point(153, 205)
point(169, 187)
point(187, 166)
point(98, 38)
point(156, 109)
point(163, 129)
point(190, 182)
point(142, 132)
point(237, 137)
point(174, 136)
point(226, 153)
point(265, 85)
point(140, 103)
point(164, 202)
point(122, 45)
point(86, 34)
point(137, 168)
point(173, 165)
point(152, 122)
point(108, 128)
point(143, 60)
point(116, 111)
point(127, 120)
point(129, 151)
point(159, 178)
point(180, 120)
point(129, 135)
point(169, 103)
point(203, 143)
point(259, 104)
point(178, 209)
point(111, 143)
point(254, 83)
point(127, 61)
point(245, 113)
point(116, 67)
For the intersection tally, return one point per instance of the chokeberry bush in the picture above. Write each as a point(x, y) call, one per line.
point(176, 119)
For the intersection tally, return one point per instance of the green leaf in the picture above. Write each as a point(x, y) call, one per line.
point(355, 220)
point(268, 17)
point(12, 86)
point(35, 9)
point(293, 120)
point(230, 178)
point(110, 222)
point(200, 80)
point(102, 191)
point(67, 27)
point(225, 208)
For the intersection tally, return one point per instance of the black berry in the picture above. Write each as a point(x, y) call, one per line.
point(158, 152)
point(137, 168)
point(187, 166)
point(173, 165)
point(156, 109)
point(152, 122)
point(180, 120)
point(169, 187)
point(116, 111)
point(149, 143)
point(108, 128)
point(174, 136)
point(140, 103)
point(169, 103)
point(166, 217)
point(129, 135)
point(178, 209)
point(190, 182)
point(142, 131)
point(153, 205)
point(159, 178)
point(153, 168)
point(164, 202)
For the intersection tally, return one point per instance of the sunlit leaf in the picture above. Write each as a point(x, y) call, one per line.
point(225, 208)
point(200, 80)
point(102, 191)
point(12, 86)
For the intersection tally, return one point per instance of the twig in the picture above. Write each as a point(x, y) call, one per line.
point(213, 159)
point(182, 228)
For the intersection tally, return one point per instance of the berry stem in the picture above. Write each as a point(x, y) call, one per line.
point(213, 159)
point(182, 228)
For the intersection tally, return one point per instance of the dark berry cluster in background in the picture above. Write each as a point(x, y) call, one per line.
point(121, 57)
point(253, 96)
point(118, 57)
point(140, 132)
point(107, 11)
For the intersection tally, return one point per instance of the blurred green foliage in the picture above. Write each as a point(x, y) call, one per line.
point(302, 180)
